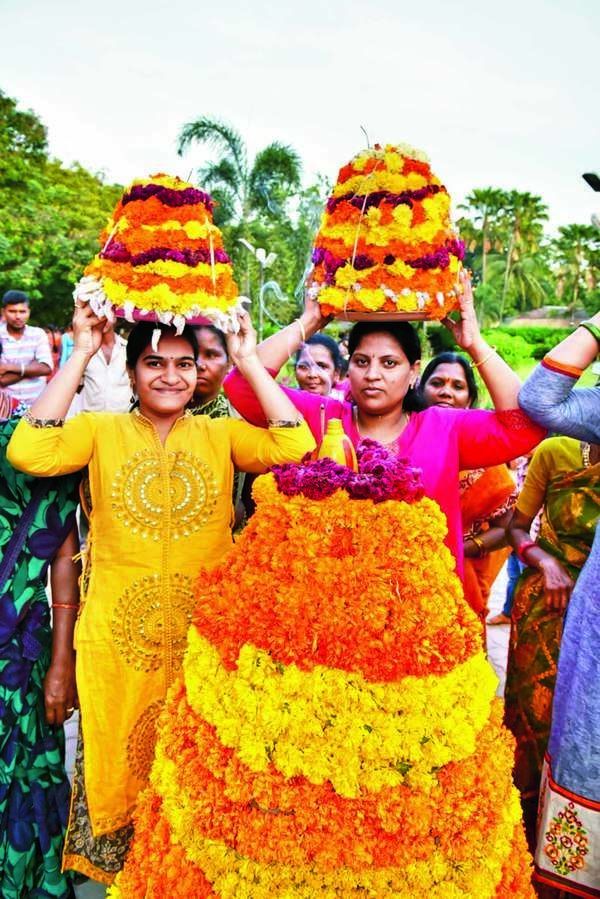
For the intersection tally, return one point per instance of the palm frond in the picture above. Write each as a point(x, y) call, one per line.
point(218, 136)
point(275, 173)
point(217, 174)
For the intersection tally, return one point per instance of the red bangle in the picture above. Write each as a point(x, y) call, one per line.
point(522, 549)
point(64, 605)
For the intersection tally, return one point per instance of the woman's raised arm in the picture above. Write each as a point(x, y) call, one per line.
point(548, 395)
point(502, 383)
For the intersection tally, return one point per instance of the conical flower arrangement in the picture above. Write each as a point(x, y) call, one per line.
point(336, 732)
point(162, 259)
point(386, 244)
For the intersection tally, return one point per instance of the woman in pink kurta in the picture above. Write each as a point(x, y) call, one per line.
point(382, 404)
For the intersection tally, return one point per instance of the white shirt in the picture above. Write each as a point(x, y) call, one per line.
point(32, 346)
point(106, 386)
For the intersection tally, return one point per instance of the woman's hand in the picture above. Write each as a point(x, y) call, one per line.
point(242, 346)
point(466, 330)
point(87, 330)
point(60, 692)
point(312, 318)
point(558, 586)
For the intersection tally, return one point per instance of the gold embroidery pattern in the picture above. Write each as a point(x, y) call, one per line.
point(140, 745)
point(151, 622)
point(147, 494)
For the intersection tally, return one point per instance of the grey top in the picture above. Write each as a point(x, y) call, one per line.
point(549, 398)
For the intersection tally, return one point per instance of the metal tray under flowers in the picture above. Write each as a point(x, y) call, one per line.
point(351, 315)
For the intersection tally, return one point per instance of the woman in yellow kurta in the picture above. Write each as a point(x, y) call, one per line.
point(160, 483)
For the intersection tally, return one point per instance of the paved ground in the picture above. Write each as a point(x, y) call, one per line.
point(497, 649)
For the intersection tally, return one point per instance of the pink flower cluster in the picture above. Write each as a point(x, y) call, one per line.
point(380, 476)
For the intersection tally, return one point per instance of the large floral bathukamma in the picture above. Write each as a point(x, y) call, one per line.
point(386, 243)
point(162, 259)
point(336, 732)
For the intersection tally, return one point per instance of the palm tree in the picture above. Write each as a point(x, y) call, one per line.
point(242, 189)
point(485, 205)
point(524, 214)
point(577, 252)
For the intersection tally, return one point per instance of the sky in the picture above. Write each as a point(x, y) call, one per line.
point(500, 94)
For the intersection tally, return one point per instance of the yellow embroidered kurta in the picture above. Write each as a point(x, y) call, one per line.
point(159, 514)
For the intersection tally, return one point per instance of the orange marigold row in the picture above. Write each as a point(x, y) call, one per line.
point(343, 583)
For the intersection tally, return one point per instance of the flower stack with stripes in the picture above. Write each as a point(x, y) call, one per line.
point(162, 259)
point(336, 732)
point(386, 244)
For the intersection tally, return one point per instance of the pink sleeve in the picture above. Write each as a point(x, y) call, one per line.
point(243, 399)
point(490, 438)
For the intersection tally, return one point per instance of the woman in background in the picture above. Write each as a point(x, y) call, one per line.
point(37, 673)
point(564, 480)
point(569, 815)
point(487, 495)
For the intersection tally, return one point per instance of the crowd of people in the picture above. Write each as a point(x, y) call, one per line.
point(161, 467)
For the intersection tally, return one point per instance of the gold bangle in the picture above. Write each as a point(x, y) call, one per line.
point(485, 359)
point(43, 422)
point(302, 330)
point(481, 550)
point(65, 605)
point(283, 423)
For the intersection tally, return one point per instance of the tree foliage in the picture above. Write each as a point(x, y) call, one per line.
point(50, 216)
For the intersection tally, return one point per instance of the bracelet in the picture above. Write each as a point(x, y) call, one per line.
point(283, 423)
point(302, 330)
point(593, 329)
point(22, 369)
point(522, 549)
point(43, 422)
point(481, 550)
point(65, 605)
point(485, 359)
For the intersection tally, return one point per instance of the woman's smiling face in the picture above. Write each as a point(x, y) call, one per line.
point(447, 386)
point(165, 380)
point(315, 370)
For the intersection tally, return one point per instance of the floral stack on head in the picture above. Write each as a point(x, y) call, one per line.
point(162, 259)
point(386, 244)
point(336, 732)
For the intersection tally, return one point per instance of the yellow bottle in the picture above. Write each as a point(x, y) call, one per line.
point(337, 446)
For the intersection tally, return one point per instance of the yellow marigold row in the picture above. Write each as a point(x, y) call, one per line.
point(437, 210)
point(169, 269)
point(382, 179)
point(348, 275)
point(337, 298)
point(160, 297)
point(194, 230)
point(328, 724)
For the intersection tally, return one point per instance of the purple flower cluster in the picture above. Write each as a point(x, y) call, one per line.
point(377, 197)
point(381, 476)
point(118, 252)
point(441, 257)
point(330, 262)
point(167, 195)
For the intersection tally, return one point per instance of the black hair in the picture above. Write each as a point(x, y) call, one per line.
point(330, 345)
point(220, 335)
point(141, 337)
point(407, 339)
point(14, 298)
point(451, 359)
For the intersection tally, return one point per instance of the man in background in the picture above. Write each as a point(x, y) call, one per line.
point(25, 360)
point(106, 386)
